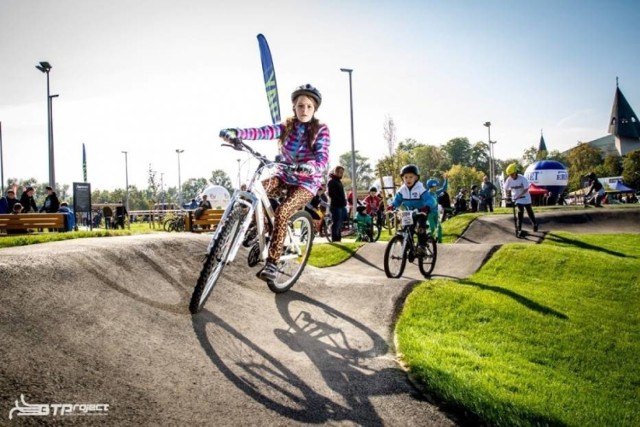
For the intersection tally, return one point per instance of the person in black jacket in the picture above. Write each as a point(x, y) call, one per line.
point(27, 201)
point(51, 202)
point(338, 203)
point(7, 202)
point(595, 186)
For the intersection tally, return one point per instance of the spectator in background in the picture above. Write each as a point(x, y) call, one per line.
point(488, 190)
point(338, 203)
point(27, 201)
point(17, 209)
point(474, 198)
point(51, 202)
point(7, 202)
point(71, 217)
point(373, 203)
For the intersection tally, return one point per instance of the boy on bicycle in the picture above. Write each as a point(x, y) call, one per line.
point(413, 195)
point(364, 224)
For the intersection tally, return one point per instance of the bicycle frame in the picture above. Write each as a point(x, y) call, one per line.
point(252, 199)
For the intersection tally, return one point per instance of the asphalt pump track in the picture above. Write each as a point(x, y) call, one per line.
point(105, 321)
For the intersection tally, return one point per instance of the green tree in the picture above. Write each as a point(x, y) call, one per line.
point(192, 187)
point(364, 173)
point(153, 185)
point(458, 151)
point(612, 166)
point(631, 169)
point(463, 176)
point(429, 159)
point(220, 177)
point(480, 156)
point(529, 156)
point(582, 160)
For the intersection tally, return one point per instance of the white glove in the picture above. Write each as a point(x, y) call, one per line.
point(228, 134)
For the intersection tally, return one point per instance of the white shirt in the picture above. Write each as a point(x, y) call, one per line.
point(517, 187)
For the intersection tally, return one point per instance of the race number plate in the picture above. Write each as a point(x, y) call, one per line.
point(406, 218)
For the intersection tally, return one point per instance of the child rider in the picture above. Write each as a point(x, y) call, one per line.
point(517, 187)
point(434, 193)
point(413, 195)
point(302, 140)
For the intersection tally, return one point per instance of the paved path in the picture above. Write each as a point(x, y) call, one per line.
point(105, 321)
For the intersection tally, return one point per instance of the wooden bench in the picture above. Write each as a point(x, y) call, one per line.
point(28, 221)
point(208, 221)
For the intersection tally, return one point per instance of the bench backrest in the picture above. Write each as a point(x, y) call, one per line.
point(32, 220)
point(210, 216)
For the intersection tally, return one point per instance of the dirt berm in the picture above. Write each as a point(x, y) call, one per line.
point(105, 321)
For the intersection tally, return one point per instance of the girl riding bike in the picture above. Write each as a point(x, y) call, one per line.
point(303, 140)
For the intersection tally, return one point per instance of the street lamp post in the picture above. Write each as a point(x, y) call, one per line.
point(491, 166)
point(178, 151)
point(353, 150)
point(126, 177)
point(45, 67)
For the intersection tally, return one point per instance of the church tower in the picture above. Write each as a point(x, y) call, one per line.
point(624, 124)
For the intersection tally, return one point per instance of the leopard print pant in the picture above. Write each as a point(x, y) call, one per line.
point(295, 200)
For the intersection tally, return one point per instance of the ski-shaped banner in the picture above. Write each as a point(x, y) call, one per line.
point(270, 83)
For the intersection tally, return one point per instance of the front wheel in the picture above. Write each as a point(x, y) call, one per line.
point(395, 258)
point(427, 262)
point(377, 229)
point(215, 261)
point(295, 253)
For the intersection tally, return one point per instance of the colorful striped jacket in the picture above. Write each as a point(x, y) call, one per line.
point(295, 150)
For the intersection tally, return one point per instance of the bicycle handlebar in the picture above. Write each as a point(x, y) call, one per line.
point(239, 145)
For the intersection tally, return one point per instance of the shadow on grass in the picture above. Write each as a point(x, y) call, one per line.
point(552, 237)
point(530, 304)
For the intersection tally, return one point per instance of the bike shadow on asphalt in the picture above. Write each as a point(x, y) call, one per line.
point(333, 355)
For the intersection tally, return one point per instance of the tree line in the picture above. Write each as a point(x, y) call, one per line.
point(463, 162)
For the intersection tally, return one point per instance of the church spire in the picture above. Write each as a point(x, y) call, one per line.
point(623, 122)
point(542, 146)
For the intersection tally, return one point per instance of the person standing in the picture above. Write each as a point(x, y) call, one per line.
point(338, 202)
point(27, 201)
point(489, 192)
point(517, 187)
point(51, 202)
point(303, 140)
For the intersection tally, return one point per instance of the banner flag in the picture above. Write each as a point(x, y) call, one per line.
point(84, 163)
point(270, 83)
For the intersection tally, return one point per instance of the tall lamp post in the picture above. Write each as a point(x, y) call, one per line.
point(126, 177)
point(178, 151)
point(491, 172)
point(45, 67)
point(353, 149)
point(238, 174)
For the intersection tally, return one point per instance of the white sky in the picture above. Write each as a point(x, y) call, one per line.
point(151, 76)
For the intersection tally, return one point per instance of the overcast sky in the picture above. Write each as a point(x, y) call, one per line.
point(152, 76)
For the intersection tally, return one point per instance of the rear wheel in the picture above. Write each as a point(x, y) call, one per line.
point(295, 254)
point(394, 257)
point(216, 260)
point(427, 263)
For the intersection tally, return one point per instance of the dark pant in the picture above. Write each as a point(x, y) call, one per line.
point(530, 214)
point(338, 215)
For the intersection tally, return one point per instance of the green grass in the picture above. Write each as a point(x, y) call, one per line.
point(31, 239)
point(329, 254)
point(542, 335)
